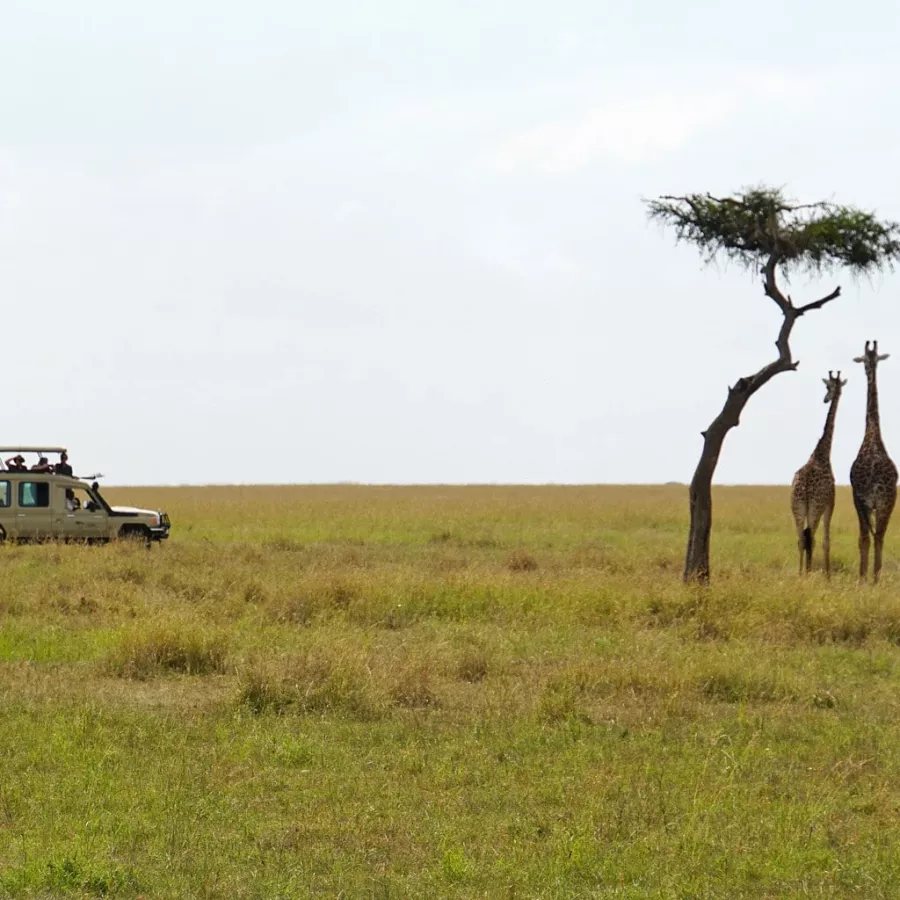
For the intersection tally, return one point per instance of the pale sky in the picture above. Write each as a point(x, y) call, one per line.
point(395, 241)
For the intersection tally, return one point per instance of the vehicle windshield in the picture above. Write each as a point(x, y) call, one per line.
point(98, 499)
point(80, 498)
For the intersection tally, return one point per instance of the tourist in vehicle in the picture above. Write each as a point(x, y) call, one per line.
point(63, 467)
point(43, 465)
point(17, 464)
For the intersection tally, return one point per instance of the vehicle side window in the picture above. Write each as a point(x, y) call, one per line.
point(34, 493)
point(4, 494)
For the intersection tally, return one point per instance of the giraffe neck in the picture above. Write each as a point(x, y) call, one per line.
point(822, 453)
point(873, 422)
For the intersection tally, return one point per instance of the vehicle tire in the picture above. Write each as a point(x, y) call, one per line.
point(136, 533)
point(2, 535)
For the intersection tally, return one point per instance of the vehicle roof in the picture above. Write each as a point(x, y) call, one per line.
point(6, 474)
point(32, 449)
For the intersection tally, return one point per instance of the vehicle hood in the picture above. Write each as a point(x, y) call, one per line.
point(135, 510)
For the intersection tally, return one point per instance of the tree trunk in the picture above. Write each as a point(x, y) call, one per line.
point(696, 560)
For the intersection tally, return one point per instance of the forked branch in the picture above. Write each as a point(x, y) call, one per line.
point(791, 313)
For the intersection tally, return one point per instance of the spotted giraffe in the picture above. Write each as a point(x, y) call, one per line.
point(873, 475)
point(812, 490)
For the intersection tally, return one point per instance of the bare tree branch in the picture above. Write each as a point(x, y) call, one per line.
point(818, 304)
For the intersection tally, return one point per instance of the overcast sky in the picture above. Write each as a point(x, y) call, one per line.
point(396, 241)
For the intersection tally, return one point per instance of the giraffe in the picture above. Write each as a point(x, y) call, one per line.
point(873, 475)
point(812, 490)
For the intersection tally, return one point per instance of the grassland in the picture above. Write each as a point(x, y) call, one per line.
point(448, 692)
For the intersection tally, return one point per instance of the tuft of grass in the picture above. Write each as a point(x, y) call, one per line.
point(309, 683)
point(472, 666)
point(413, 688)
point(560, 702)
point(169, 649)
point(455, 866)
point(731, 685)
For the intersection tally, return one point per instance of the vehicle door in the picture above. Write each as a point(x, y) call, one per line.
point(75, 516)
point(33, 514)
point(7, 509)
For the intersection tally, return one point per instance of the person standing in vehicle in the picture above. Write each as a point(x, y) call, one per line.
point(17, 464)
point(63, 467)
point(43, 465)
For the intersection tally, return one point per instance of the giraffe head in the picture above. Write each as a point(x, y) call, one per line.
point(833, 385)
point(871, 358)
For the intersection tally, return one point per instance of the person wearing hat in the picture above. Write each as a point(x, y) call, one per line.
point(17, 464)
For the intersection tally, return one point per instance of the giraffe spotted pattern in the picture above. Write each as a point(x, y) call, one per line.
point(873, 475)
point(812, 490)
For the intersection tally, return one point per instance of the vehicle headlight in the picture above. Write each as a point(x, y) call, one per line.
point(154, 520)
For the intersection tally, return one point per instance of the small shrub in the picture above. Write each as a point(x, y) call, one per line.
point(169, 650)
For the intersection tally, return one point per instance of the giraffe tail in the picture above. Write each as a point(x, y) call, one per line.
point(865, 514)
point(807, 540)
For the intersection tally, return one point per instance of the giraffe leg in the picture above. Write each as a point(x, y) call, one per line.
point(882, 519)
point(826, 540)
point(863, 545)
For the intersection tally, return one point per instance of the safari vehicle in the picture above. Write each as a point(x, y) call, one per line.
point(51, 505)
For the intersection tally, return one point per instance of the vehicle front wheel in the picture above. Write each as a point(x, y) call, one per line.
point(138, 533)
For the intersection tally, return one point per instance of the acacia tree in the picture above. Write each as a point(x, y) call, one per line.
point(758, 228)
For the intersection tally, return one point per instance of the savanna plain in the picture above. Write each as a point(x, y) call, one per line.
point(351, 691)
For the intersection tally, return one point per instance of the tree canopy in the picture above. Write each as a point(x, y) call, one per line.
point(759, 226)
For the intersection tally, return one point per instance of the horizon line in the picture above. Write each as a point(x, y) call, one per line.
point(454, 484)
